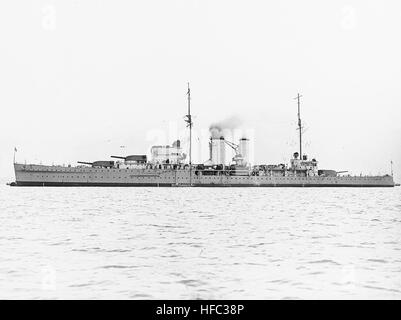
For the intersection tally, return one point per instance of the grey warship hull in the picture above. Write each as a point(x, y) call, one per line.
point(168, 167)
point(42, 175)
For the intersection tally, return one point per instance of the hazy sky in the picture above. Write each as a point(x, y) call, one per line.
point(79, 79)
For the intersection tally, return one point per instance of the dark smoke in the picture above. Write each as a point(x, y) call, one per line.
point(217, 129)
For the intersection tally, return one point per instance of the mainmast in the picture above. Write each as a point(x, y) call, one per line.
point(299, 125)
point(188, 120)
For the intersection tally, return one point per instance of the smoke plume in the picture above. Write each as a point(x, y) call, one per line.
point(217, 129)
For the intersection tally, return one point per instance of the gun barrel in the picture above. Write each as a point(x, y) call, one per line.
point(83, 162)
point(118, 157)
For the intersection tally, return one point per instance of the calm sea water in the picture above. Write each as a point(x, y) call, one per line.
point(181, 243)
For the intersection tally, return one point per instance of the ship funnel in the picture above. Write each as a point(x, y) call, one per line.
point(243, 150)
point(217, 150)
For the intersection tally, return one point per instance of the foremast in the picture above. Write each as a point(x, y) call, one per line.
point(188, 120)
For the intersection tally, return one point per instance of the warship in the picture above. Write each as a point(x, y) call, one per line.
point(168, 166)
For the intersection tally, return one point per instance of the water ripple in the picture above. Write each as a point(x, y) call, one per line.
point(231, 243)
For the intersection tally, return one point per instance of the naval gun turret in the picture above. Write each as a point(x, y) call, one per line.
point(135, 158)
point(99, 164)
